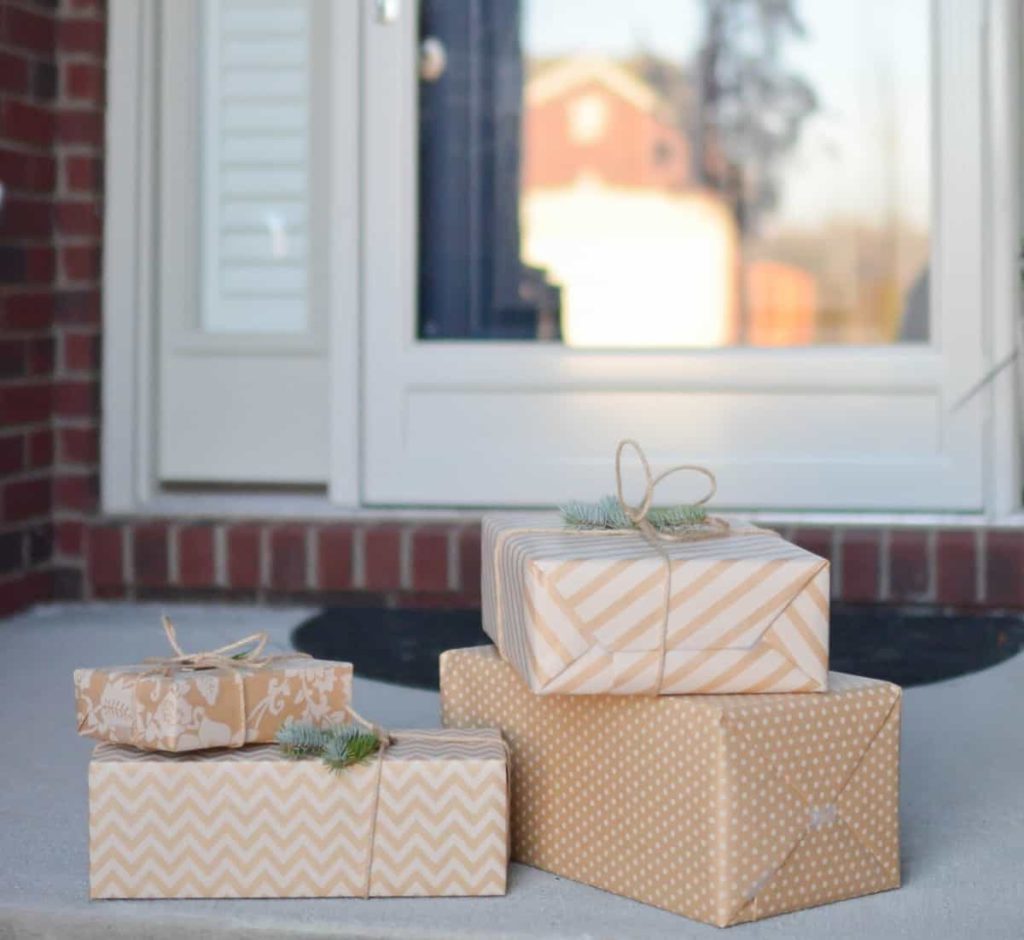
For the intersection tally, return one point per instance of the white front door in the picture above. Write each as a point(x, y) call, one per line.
point(750, 243)
point(243, 371)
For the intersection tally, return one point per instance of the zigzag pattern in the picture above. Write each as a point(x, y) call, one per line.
point(223, 825)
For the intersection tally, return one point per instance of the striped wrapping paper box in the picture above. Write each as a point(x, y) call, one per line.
point(252, 823)
point(583, 612)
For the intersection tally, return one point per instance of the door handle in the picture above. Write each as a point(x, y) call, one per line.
point(386, 11)
point(433, 59)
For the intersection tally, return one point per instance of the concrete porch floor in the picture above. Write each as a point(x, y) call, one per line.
point(962, 805)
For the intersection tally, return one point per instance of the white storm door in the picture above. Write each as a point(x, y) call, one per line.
point(789, 291)
point(243, 393)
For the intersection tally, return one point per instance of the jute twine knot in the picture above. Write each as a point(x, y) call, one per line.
point(241, 654)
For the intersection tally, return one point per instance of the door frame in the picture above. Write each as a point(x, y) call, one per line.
point(128, 484)
point(131, 274)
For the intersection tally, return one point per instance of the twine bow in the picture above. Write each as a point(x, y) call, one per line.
point(637, 514)
point(234, 655)
point(387, 739)
point(712, 527)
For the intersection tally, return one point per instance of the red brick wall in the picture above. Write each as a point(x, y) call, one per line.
point(438, 564)
point(51, 135)
point(53, 544)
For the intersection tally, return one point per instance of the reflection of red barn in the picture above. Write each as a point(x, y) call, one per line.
point(593, 119)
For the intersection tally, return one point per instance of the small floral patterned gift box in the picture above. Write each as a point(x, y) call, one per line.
point(206, 700)
point(724, 808)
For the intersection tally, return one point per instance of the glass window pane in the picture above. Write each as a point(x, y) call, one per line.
point(255, 166)
point(676, 173)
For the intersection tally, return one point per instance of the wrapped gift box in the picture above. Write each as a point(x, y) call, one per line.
point(254, 823)
point(723, 808)
point(184, 709)
point(583, 611)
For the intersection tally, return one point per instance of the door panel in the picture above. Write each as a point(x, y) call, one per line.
point(837, 398)
point(243, 369)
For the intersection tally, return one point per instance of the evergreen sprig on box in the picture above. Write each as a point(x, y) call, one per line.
point(338, 747)
point(606, 513)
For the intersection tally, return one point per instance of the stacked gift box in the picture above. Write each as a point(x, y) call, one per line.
point(675, 734)
point(657, 689)
point(231, 774)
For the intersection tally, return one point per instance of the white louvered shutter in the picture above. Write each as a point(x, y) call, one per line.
point(255, 188)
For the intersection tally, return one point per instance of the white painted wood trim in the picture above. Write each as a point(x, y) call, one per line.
point(1005, 47)
point(343, 285)
point(125, 448)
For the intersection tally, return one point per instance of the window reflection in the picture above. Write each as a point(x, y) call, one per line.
point(676, 174)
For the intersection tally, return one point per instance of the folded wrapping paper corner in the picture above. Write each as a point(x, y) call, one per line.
point(722, 808)
point(582, 612)
point(430, 818)
point(185, 709)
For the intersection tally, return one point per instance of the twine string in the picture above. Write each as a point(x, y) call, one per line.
point(712, 527)
point(245, 653)
point(389, 738)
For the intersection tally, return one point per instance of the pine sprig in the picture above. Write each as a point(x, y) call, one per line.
point(299, 740)
point(344, 750)
point(606, 513)
point(339, 746)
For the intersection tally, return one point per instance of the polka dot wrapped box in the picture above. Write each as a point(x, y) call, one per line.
point(725, 809)
point(581, 612)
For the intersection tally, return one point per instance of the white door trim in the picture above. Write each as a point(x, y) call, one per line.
point(126, 440)
point(131, 276)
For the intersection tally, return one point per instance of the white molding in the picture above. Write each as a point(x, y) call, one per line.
point(125, 480)
point(1003, 197)
point(343, 275)
point(315, 508)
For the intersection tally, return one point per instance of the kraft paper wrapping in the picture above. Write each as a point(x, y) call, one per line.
point(722, 808)
point(186, 710)
point(253, 823)
point(583, 612)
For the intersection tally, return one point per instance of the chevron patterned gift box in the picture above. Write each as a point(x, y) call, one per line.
point(725, 808)
point(430, 819)
point(606, 612)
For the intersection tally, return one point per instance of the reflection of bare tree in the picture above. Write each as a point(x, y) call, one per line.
point(750, 107)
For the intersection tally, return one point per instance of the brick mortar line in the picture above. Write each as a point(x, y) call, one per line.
point(981, 566)
point(357, 568)
point(265, 567)
point(931, 563)
point(884, 562)
point(405, 557)
point(220, 556)
point(173, 561)
point(453, 559)
point(312, 557)
point(836, 553)
point(128, 554)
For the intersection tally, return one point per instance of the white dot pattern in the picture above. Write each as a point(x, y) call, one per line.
point(725, 808)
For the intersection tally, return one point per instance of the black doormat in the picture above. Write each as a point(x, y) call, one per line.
point(909, 646)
